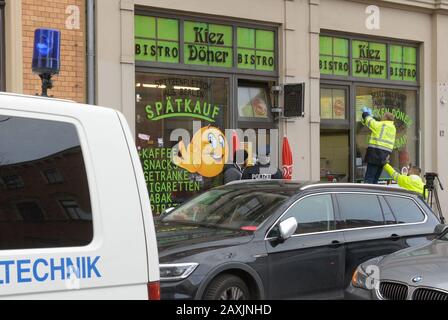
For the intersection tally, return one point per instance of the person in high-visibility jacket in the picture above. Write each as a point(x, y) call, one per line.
point(381, 143)
point(413, 181)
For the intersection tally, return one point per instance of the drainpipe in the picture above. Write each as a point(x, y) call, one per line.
point(90, 31)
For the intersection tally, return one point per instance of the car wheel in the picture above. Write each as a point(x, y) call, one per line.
point(227, 287)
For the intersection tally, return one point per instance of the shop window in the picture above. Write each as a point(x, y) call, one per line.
point(254, 104)
point(156, 39)
point(369, 59)
point(334, 56)
point(403, 105)
point(256, 49)
point(403, 63)
point(30, 217)
point(166, 102)
point(333, 104)
point(208, 44)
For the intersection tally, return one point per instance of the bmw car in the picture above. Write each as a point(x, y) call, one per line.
point(419, 273)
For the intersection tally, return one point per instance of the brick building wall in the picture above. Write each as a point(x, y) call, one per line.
point(71, 81)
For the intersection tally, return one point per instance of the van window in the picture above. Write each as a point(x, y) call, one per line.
point(313, 214)
point(44, 194)
point(360, 210)
point(405, 209)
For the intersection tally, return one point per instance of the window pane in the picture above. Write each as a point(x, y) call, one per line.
point(333, 104)
point(360, 210)
point(388, 215)
point(403, 105)
point(252, 102)
point(339, 104)
point(166, 102)
point(405, 210)
point(39, 153)
point(313, 214)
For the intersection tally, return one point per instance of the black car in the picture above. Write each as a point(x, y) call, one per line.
point(284, 240)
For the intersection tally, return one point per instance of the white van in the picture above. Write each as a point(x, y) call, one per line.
point(75, 217)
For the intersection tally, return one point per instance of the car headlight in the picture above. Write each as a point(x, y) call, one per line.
point(178, 271)
point(366, 278)
point(359, 278)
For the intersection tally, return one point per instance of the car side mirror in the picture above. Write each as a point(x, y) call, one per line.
point(287, 228)
point(440, 228)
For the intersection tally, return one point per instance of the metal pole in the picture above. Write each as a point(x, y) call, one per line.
point(90, 31)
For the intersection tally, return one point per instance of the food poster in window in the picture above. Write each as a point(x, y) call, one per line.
point(252, 103)
point(180, 124)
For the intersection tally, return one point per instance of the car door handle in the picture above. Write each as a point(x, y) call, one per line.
point(394, 237)
point(335, 244)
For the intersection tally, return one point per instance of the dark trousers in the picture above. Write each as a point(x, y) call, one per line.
point(373, 173)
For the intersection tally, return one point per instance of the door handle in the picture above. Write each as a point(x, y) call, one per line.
point(394, 237)
point(335, 244)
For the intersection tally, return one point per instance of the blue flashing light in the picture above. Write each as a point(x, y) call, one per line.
point(47, 51)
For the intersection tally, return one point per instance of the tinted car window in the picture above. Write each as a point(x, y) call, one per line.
point(33, 210)
point(313, 214)
point(405, 209)
point(388, 215)
point(360, 210)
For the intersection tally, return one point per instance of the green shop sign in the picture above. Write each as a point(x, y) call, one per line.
point(205, 44)
point(174, 108)
point(368, 59)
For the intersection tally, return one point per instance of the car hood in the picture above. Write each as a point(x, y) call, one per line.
point(429, 261)
point(177, 241)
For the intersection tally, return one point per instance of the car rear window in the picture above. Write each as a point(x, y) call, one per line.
point(405, 210)
point(360, 210)
point(44, 194)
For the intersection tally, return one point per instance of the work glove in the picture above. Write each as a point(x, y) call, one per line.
point(367, 110)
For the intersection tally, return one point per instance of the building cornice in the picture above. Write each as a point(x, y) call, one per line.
point(428, 6)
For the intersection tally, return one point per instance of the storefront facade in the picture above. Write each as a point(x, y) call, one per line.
point(169, 64)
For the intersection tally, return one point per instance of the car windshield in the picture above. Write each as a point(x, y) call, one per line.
point(229, 208)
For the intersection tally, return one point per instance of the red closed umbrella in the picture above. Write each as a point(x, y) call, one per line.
point(235, 142)
point(287, 162)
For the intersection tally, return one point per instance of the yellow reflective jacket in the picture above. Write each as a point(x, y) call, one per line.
point(412, 183)
point(383, 133)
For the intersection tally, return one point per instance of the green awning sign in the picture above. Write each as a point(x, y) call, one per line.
point(204, 44)
point(367, 59)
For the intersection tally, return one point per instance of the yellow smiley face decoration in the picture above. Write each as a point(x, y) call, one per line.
point(206, 154)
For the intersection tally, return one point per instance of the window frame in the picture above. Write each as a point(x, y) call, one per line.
point(344, 221)
point(395, 215)
point(333, 224)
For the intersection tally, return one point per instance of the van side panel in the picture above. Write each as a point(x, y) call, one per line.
point(148, 222)
point(114, 265)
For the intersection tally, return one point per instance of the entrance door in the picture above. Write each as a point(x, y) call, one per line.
point(335, 162)
point(335, 155)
